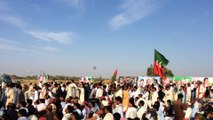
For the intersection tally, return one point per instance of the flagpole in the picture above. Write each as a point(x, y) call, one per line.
point(153, 73)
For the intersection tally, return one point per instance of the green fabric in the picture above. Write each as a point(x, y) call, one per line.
point(160, 58)
point(178, 78)
point(182, 78)
point(188, 77)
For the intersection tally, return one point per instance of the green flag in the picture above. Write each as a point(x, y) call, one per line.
point(159, 63)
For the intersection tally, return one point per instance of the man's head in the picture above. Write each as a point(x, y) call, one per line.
point(140, 95)
point(117, 116)
point(153, 89)
point(69, 109)
point(169, 102)
point(180, 96)
point(29, 101)
point(131, 102)
point(107, 109)
point(22, 113)
point(23, 104)
point(118, 100)
point(141, 103)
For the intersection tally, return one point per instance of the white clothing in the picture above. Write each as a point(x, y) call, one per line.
point(168, 95)
point(36, 95)
point(188, 112)
point(162, 106)
point(32, 117)
point(118, 109)
point(63, 111)
point(129, 111)
point(43, 93)
point(66, 117)
point(188, 94)
point(99, 93)
point(119, 93)
point(22, 118)
point(154, 97)
point(63, 104)
point(135, 94)
point(140, 112)
point(146, 95)
point(137, 102)
point(202, 91)
point(41, 106)
point(105, 102)
point(71, 90)
point(108, 116)
point(82, 95)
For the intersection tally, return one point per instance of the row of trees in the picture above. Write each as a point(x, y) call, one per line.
point(167, 73)
point(50, 77)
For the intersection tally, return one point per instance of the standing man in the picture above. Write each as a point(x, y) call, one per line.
point(200, 90)
point(108, 112)
point(118, 106)
point(71, 89)
point(99, 92)
point(168, 94)
point(10, 94)
point(154, 95)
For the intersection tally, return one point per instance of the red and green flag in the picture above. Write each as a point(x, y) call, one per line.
point(114, 76)
point(159, 63)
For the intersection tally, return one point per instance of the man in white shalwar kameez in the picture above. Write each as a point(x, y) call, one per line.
point(154, 96)
point(119, 93)
point(82, 94)
point(99, 92)
point(168, 94)
point(71, 89)
point(189, 93)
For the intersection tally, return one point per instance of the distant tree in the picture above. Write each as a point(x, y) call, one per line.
point(150, 70)
point(167, 72)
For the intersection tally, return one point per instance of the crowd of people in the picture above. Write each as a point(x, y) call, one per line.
point(125, 100)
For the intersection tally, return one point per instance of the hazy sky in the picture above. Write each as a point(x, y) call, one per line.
point(69, 37)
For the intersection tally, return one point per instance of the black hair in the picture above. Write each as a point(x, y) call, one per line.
point(156, 107)
point(169, 101)
point(108, 108)
point(180, 96)
point(29, 101)
point(76, 115)
point(141, 102)
point(117, 116)
point(23, 103)
point(22, 112)
point(70, 108)
point(119, 99)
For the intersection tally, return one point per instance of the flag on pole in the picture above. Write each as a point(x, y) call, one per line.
point(159, 63)
point(114, 76)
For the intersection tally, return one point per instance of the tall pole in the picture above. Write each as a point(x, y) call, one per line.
point(153, 73)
